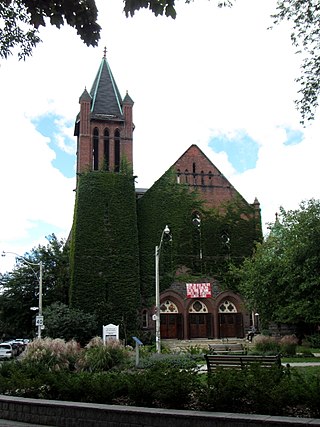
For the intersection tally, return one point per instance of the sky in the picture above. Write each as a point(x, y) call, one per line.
point(218, 78)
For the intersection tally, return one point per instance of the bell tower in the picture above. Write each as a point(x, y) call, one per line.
point(104, 126)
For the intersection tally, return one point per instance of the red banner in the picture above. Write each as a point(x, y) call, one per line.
point(198, 290)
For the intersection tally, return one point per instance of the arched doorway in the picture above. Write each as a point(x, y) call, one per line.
point(171, 326)
point(199, 320)
point(230, 321)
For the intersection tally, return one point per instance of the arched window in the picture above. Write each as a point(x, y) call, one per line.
point(106, 149)
point(210, 177)
point(95, 151)
point(194, 173)
point(202, 178)
point(198, 307)
point(145, 318)
point(178, 176)
point(168, 307)
point(227, 307)
point(186, 173)
point(117, 151)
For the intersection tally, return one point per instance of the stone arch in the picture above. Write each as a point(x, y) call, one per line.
point(229, 315)
point(171, 315)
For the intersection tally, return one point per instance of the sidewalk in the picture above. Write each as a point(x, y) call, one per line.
point(8, 423)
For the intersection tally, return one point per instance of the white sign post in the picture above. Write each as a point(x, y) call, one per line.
point(110, 332)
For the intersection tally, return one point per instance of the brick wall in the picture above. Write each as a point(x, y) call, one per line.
point(195, 169)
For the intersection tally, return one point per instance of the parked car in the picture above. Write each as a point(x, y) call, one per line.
point(19, 344)
point(6, 351)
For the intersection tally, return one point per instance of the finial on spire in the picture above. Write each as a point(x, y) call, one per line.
point(276, 216)
point(104, 52)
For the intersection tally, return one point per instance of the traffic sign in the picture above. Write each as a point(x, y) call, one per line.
point(39, 320)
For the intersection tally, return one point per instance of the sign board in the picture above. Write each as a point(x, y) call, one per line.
point(110, 332)
point(39, 320)
point(198, 290)
point(137, 341)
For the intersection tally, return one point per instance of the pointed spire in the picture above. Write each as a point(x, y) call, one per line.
point(106, 98)
point(127, 99)
point(85, 96)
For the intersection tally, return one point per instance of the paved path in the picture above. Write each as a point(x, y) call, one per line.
point(8, 423)
point(303, 364)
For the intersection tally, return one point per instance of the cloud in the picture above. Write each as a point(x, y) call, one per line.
point(211, 71)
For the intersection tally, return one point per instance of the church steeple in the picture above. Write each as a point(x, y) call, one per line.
point(104, 125)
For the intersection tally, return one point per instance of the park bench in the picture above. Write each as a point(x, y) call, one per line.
point(228, 348)
point(240, 361)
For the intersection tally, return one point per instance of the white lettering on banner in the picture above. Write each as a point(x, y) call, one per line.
point(198, 290)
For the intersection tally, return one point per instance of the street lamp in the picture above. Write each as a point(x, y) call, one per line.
point(197, 223)
point(166, 231)
point(39, 318)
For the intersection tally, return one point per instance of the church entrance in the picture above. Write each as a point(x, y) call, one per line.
point(230, 322)
point(171, 322)
point(199, 326)
point(199, 320)
point(171, 326)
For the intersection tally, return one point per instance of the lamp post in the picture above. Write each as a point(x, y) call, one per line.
point(257, 321)
point(39, 319)
point(197, 223)
point(166, 231)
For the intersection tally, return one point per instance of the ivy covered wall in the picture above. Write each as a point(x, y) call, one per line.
point(104, 248)
point(225, 235)
point(165, 203)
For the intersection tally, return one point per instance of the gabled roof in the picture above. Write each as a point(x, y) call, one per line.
point(106, 99)
point(192, 152)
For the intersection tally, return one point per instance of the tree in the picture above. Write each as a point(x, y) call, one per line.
point(21, 19)
point(69, 323)
point(282, 279)
point(20, 288)
point(305, 18)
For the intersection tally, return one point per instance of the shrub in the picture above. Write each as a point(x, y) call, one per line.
point(17, 379)
point(251, 390)
point(314, 340)
point(98, 356)
point(195, 350)
point(306, 352)
point(266, 345)
point(288, 345)
point(181, 361)
point(52, 354)
point(163, 387)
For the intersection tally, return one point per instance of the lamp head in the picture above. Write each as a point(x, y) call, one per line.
point(166, 230)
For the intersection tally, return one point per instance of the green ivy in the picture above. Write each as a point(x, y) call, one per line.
point(228, 235)
point(104, 249)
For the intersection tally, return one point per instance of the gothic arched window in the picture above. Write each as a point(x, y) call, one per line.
point(227, 307)
point(117, 150)
point(106, 149)
point(178, 176)
point(95, 149)
point(202, 178)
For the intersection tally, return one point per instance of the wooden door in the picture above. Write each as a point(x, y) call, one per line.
point(231, 325)
point(171, 326)
point(199, 325)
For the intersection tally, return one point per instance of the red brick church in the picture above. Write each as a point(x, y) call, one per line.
point(200, 307)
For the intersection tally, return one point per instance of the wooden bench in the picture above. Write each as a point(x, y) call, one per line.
point(237, 348)
point(240, 361)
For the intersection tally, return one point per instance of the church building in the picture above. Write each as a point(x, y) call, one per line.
point(117, 226)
